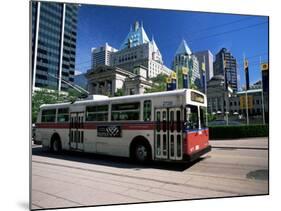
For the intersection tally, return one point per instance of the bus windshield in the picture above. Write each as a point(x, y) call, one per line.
point(191, 120)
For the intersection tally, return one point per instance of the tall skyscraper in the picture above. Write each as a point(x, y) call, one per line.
point(53, 34)
point(226, 62)
point(137, 50)
point(185, 58)
point(102, 55)
point(209, 60)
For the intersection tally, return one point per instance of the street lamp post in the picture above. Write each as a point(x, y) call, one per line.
point(262, 97)
point(227, 117)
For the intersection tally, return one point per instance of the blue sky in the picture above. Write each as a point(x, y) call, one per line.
point(240, 34)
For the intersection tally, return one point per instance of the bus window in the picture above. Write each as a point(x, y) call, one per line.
point(158, 122)
point(172, 121)
point(48, 115)
point(63, 115)
point(172, 145)
point(79, 122)
point(82, 121)
point(78, 136)
point(178, 120)
point(164, 121)
point(147, 110)
point(203, 116)
point(76, 122)
point(164, 144)
point(191, 121)
point(125, 111)
point(158, 145)
point(82, 136)
point(97, 113)
point(179, 145)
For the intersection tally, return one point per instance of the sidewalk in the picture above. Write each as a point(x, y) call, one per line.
point(250, 143)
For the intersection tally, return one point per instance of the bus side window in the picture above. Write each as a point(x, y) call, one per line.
point(63, 115)
point(96, 113)
point(48, 115)
point(147, 110)
point(125, 111)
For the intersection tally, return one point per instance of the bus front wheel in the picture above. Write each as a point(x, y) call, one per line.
point(142, 153)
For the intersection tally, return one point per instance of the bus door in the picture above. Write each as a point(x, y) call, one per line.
point(175, 134)
point(168, 133)
point(76, 131)
point(161, 133)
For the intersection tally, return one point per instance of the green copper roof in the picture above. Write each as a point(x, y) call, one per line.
point(135, 37)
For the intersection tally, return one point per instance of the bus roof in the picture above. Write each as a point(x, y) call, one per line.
point(137, 96)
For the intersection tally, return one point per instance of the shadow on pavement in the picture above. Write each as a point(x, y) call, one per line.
point(260, 174)
point(112, 161)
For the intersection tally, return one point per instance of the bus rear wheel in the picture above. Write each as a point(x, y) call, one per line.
point(142, 153)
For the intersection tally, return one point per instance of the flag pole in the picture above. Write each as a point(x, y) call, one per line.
point(225, 91)
point(246, 90)
point(262, 97)
point(205, 86)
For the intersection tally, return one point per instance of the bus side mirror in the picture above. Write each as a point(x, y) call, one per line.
point(188, 111)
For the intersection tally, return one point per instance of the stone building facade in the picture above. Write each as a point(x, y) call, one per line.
point(107, 80)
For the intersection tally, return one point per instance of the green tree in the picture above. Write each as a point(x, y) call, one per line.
point(44, 96)
point(193, 86)
point(158, 84)
point(211, 117)
point(119, 92)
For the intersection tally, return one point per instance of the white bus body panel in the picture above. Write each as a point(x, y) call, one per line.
point(116, 146)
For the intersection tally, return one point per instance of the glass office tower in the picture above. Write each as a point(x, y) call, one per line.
point(230, 67)
point(53, 34)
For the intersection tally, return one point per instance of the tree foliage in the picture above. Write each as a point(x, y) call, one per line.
point(44, 96)
point(158, 84)
point(119, 92)
point(211, 117)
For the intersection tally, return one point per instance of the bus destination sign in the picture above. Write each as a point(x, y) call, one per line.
point(109, 131)
point(197, 97)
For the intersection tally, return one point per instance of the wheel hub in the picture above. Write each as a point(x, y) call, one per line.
point(55, 146)
point(141, 152)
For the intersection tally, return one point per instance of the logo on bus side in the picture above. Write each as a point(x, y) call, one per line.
point(108, 131)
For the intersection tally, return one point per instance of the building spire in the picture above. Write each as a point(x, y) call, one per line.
point(136, 35)
point(183, 48)
point(136, 26)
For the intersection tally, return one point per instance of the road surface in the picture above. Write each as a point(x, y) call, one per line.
point(232, 168)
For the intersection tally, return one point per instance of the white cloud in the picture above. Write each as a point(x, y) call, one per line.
point(77, 72)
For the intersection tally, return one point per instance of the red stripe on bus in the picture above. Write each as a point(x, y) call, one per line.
point(52, 125)
point(88, 125)
point(148, 126)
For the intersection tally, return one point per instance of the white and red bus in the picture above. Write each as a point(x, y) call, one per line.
point(168, 126)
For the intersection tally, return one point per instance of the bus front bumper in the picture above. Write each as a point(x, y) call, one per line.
point(197, 155)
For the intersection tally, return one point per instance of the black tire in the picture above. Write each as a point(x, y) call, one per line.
point(56, 146)
point(142, 152)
